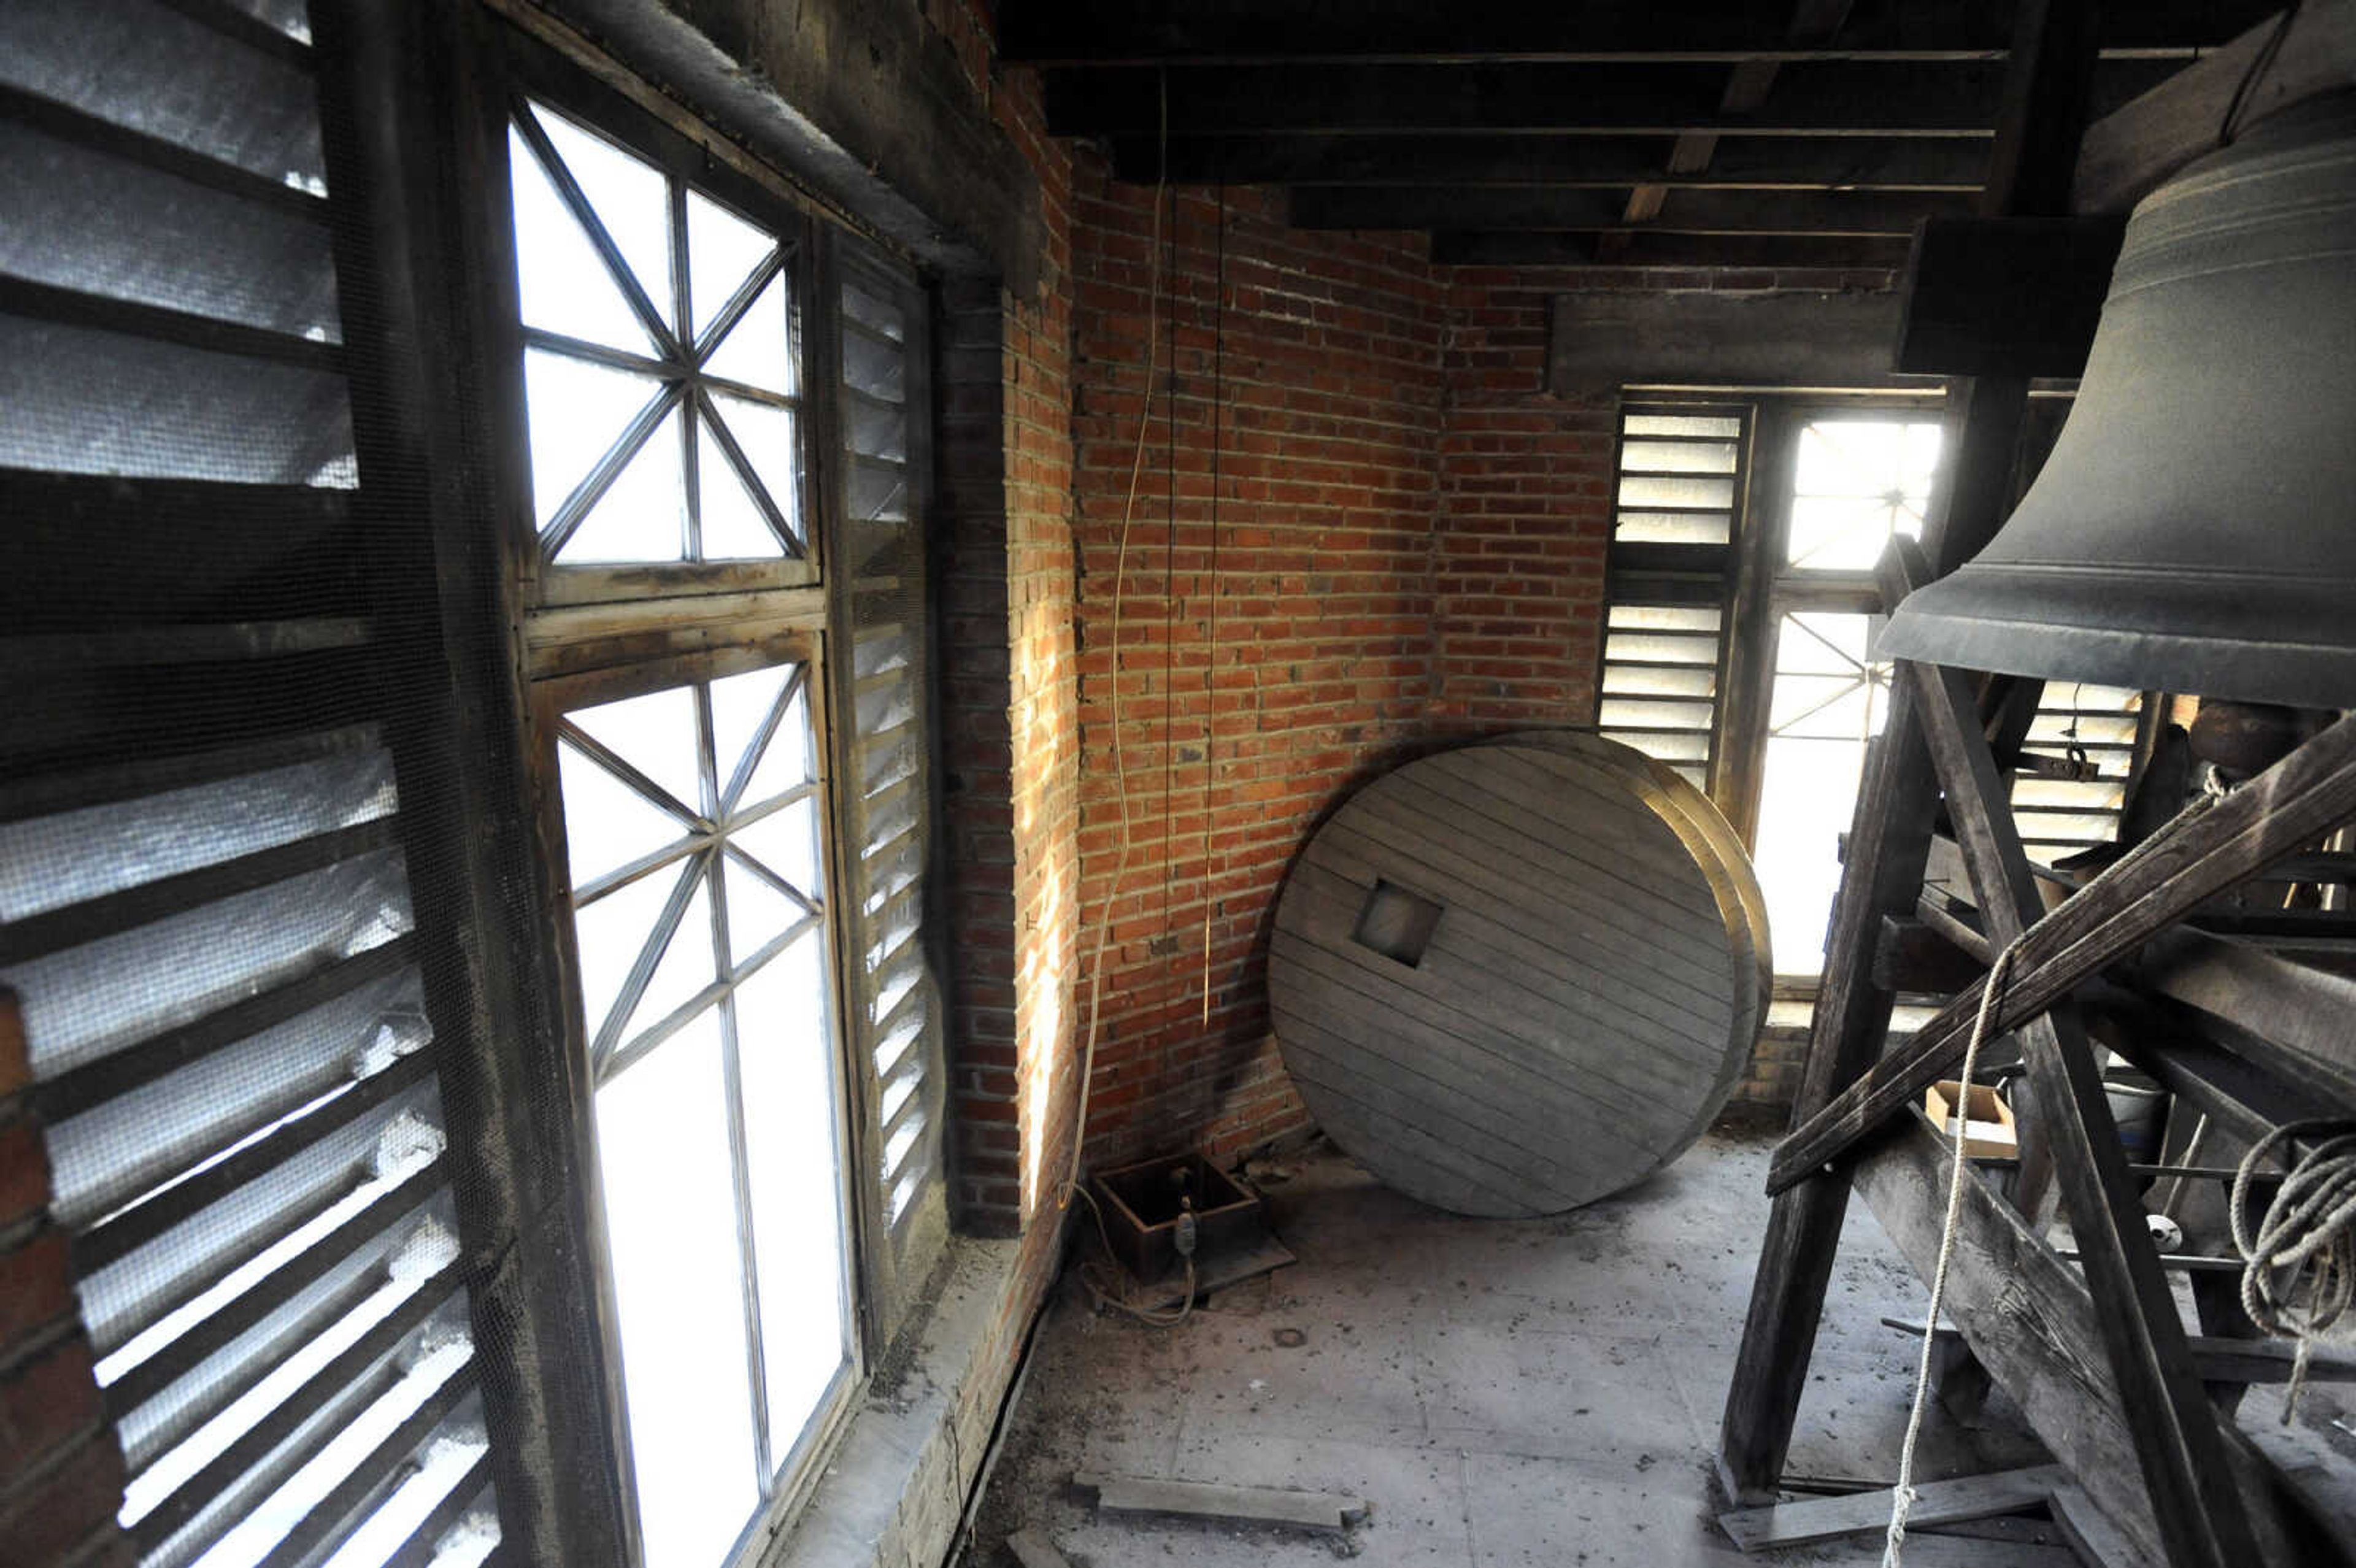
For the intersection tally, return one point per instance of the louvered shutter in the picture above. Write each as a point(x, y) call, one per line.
point(206, 904)
point(887, 769)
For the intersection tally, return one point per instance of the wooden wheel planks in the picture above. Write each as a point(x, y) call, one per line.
point(1512, 979)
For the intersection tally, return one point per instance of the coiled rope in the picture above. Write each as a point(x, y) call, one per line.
point(2304, 1232)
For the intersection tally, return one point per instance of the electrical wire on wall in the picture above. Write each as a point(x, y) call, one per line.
point(1072, 1186)
point(1211, 661)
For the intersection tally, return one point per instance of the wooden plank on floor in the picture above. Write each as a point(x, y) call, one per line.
point(1237, 1505)
point(1031, 1549)
point(1818, 1520)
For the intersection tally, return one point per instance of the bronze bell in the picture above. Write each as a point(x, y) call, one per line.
point(2195, 528)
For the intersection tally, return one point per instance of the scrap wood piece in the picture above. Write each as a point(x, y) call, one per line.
point(1241, 1505)
point(1031, 1549)
point(1818, 1520)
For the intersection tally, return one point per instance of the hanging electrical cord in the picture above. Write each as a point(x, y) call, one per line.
point(1211, 663)
point(1901, 1496)
point(2306, 1231)
point(1119, 771)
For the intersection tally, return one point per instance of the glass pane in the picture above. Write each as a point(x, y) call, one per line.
point(1855, 483)
point(757, 912)
point(1843, 533)
point(789, 759)
point(630, 197)
point(1826, 703)
point(578, 411)
point(565, 285)
point(759, 349)
point(786, 841)
point(722, 251)
point(734, 527)
point(782, 1037)
point(740, 705)
point(687, 967)
point(766, 436)
point(610, 933)
point(678, 1289)
point(642, 516)
point(607, 824)
point(655, 734)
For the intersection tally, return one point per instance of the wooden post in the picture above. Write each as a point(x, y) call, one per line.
point(2199, 1512)
point(1890, 834)
point(2044, 113)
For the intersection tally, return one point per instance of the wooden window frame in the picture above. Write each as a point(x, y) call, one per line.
point(616, 629)
point(549, 700)
point(531, 70)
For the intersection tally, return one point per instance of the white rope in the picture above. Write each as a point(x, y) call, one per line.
point(1901, 1496)
point(2306, 1231)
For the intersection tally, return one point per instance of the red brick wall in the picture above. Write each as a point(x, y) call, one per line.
point(61, 1465)
point(1009, 726)
point(1264, 664)
point(1525, 508)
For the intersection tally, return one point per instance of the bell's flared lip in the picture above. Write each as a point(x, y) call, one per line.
point(2083, 625)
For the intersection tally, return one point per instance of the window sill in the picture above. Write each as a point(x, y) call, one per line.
point(895, 1488)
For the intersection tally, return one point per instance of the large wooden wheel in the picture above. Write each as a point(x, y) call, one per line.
point(1512, 979)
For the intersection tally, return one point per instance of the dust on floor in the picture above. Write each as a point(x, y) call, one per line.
point(1501, 1392)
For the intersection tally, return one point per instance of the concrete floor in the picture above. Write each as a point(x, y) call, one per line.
point(1501, 1392)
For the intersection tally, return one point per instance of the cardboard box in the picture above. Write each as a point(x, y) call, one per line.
point(1990, 1133)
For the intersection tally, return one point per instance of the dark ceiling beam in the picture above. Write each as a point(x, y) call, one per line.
point(1650, 250)
point(1364, 32)
point(1821, 99)
point(1600, 163)
point(1747, 85)
point(1683, 212)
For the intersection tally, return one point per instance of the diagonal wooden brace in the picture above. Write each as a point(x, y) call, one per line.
point(2281, 811)
point(2178, 1445)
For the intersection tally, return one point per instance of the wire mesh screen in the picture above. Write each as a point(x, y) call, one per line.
point(241, 1004)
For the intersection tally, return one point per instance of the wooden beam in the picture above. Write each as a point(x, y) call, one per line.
point(2026, 1314)
point(2290, 1018)
point(2305, 796)
point(1883, 878)
point(1606, 339)
point(2129, 152)
point(1889, 836)
point(1527, 248)
point(1828, 99)
point(1747, 85)
point(2011, 296)
point(1571, 162)
point(2178, 1445)
point(1237, 32)
point(1813, 1521)
point(1841, 213)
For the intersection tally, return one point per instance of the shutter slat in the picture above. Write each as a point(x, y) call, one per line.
point(118, 1234)
point(383, 1213)
point(120, 1072)
point(189, 1498)
point(57, 930)
point(334, 1513)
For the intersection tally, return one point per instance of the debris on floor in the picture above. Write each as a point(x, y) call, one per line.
point(1236, 1505)
point(1031, 1549)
